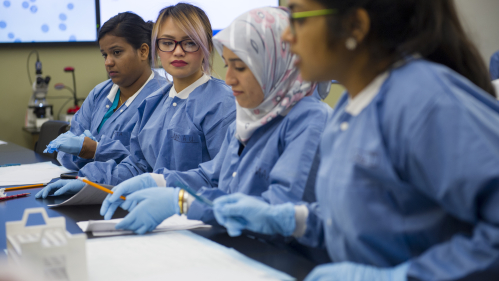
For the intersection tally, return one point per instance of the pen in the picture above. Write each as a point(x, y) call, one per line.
point(14, 196)
point(63, 176)
point(9, 165)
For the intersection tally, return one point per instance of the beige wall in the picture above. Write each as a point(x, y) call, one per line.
point(480, 18)
point(15, 90)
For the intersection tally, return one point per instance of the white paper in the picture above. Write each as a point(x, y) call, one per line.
point(28, 174)
point(3, 142)
point(175, 255)
point(107, 227)
point(89, 195)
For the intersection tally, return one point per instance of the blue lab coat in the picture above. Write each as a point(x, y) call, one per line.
point(494, 66)
point(114, 137)
point(274, 165)
point(173, 133)
point(414, 177)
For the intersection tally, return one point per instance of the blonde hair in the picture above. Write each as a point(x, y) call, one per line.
point(194, 22)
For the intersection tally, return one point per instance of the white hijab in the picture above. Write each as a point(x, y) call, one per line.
point(255, 37)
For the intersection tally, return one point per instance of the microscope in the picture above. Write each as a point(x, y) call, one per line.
point(39, 111)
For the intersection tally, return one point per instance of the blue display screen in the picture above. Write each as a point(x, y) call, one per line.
point(220, 12)
point(36, 21)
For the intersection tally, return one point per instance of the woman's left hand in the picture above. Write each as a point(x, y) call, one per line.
point(149, 208)
point(347, 271)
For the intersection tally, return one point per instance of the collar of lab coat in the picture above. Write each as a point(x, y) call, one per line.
point(114, 90)
point(364, 98)
point(184, 94)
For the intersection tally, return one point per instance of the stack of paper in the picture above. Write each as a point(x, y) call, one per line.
point(175, 255)
point(107, 228)
point(30, 173)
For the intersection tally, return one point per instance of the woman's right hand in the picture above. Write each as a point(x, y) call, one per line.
point(113, 201)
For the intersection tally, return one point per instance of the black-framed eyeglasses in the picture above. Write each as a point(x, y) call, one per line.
point(308, 14)
point(169, 45)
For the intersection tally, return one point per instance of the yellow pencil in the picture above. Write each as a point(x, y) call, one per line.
point(66, 176)
point(24, 187)
point(100, 187)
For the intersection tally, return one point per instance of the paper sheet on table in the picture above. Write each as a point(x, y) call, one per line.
point(28, 174)
point(175, 255)
point(3, 142)
point(89, 195)
point(107, 228)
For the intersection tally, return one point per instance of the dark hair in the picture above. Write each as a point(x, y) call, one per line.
point(428, 27)
point(131, 27)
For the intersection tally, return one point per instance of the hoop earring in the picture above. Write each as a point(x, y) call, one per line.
point(351, 44)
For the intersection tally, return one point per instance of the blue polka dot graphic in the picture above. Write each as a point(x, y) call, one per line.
point(25, 4)
point(3, 24)
point(17, 40)
point(33, 9)
point(45, 28)
point(62, 16)
point(10, 35)
point(62, 26)
point(6, 4)
point(72, 38)
point(71, 6)
point(32, 0)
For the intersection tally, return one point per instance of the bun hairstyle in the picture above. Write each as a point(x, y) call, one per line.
point(427, 27)
point(131, 27)
point(195, 23)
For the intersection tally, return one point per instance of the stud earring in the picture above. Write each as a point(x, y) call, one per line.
point(351, 44)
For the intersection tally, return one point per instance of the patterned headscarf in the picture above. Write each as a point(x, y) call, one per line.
point(255, 37)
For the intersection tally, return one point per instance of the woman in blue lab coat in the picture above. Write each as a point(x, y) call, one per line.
point(408, 185)
point(102, 128)
point(180, 125)
point(269, 152)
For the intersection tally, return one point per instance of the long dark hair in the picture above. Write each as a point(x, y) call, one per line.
point(428, 27)
point(131, 27)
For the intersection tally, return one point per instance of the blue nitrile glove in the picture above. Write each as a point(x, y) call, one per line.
point(61, 187)
point(347, 271)
point(113, 201)
point(238, 211)
point(68, 142)
point(153, 206)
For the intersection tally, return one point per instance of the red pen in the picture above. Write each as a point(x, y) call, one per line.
point(14, 196)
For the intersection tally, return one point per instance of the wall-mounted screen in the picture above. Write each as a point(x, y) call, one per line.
point(220, 12)
point(41, 21)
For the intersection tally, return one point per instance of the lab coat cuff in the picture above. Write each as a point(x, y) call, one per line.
point(301, 215)
point(96, 147)
point(159, 179)
point(400, 272)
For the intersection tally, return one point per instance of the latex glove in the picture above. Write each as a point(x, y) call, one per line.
point(113, 201)
point(153, 206)
point(68, 142)
point(61, 187)
point(238, 211)
point(347, 271)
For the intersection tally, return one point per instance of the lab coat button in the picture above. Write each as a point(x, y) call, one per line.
point(174, 104)
point(121, 110)
point(234, 174)
point(344, 126)
point(329, 222)
point(107, 106)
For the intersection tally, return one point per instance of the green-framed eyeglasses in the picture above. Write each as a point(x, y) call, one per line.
point(308, 14)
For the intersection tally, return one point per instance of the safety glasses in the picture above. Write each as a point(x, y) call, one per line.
point(169, 45)
point(308, 14)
